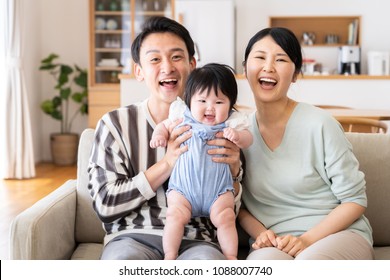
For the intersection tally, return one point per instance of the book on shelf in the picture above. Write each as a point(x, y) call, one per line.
point(353, 32)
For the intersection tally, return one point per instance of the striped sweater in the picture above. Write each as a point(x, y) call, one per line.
point(122, 196)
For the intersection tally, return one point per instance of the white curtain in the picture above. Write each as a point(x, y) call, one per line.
point(17, 146)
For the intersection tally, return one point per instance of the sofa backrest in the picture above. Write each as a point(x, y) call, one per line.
point(89, 228)
point(373, 152)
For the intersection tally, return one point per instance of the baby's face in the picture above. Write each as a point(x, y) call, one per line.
point(209, 109)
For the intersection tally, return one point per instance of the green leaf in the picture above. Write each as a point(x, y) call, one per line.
point(81, 79)
point(49, 59)
point(68, 79)
point(48, 67)
point(57, 101)
point(84, 109)
point(65, 92)
point(47, 107)
point(63, 78)
point(56, 114)
point(77, 97)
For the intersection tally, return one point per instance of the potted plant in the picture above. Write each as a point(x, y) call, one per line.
point(71, 85)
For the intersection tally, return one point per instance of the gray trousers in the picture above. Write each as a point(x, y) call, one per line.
point(343, 245)
point(135, 246)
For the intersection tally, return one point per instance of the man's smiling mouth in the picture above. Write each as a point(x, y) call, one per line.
point(170, 82)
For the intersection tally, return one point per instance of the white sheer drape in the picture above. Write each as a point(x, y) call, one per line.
point(17, 146)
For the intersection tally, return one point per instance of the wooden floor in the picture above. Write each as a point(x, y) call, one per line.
point(17, 195)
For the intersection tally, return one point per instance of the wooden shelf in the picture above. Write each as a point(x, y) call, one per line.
point(321, 26)
point(112, 13)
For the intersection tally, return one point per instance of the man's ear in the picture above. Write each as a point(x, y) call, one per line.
point(137, 69)
point(193, 63)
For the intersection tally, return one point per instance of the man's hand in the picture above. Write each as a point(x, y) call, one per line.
point(176, 138)
point(228, 153)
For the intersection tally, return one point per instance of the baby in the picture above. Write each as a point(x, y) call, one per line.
point(199, 187)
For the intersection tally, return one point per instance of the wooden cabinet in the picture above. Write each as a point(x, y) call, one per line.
point(113, 26)
point(327, 30)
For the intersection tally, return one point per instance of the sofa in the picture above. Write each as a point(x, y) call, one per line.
point(63, 224)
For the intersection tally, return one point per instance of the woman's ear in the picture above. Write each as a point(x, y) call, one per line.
point(295, 77)
point(138, 73)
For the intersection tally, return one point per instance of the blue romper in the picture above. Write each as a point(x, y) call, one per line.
point(195, 175)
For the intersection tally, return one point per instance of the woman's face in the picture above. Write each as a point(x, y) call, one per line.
point(269, 71)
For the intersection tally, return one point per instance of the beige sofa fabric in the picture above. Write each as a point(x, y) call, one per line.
point(63, 225)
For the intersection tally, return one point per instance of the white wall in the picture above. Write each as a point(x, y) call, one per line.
point(59, 26)
point(31, 51)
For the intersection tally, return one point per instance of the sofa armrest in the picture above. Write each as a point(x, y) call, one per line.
point(46, 230)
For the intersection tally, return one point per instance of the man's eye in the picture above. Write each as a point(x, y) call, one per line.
point(176, 57)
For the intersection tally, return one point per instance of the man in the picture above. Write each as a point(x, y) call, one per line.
point(127, 177)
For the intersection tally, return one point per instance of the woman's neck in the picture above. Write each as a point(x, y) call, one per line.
point(272, 120)
point(275, 113)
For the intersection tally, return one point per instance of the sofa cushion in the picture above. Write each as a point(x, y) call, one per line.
point(373, 152)
point(88, 226)
point(88, 251)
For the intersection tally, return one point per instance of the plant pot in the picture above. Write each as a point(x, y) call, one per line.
point(64, 148)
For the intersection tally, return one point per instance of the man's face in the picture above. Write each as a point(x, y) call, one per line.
point(164, 66)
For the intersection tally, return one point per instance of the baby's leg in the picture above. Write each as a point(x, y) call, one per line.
point(224, 219)
point(178, 215)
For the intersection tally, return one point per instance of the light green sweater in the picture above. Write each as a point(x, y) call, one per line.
point(292, 188)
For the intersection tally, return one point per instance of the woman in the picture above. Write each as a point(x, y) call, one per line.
point(304, 195)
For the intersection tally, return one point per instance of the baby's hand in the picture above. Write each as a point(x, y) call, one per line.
point(158, 141)
point(231, 134)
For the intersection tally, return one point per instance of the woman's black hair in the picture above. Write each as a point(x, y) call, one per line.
point(212, 76)
point(285, 38)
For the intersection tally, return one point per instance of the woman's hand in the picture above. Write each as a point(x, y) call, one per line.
point(228, 153)
point(266, 238)
point(291, 245)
